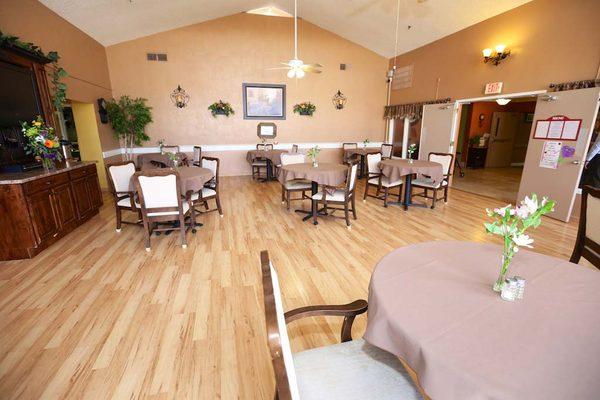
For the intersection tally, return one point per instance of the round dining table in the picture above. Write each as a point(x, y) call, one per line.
point(273, 157)
point(149, 160)
point(328, 174)
point(362, 152)
point(432, 305)
point(395, 168)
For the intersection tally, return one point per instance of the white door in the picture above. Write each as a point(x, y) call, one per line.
point(560, 183)
point(437, 129)
point(502, 138)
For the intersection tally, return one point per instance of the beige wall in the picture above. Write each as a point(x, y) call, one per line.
point(551, 41)
point(82, 57)
point(211, 60)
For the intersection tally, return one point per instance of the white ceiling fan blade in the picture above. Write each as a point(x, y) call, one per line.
point(273, 68)
point(315, 65)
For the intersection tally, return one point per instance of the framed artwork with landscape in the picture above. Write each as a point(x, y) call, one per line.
point(264, 101)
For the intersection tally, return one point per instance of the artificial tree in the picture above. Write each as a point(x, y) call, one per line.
point(129, 118)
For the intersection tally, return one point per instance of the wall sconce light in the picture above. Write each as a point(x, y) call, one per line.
point(495, 56)
point(179, 97)
point(339, 100)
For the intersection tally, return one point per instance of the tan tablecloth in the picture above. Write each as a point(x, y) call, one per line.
point(395, 169)
point(433, 306)
point(273, 155)
point(361, 151)
point(191, 178)
point(325, 174)
point(144, 161)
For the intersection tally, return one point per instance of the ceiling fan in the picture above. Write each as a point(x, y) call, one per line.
point(297, 68)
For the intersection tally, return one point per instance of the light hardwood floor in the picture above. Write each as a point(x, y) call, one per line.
point(97, 317)
point(497, 183)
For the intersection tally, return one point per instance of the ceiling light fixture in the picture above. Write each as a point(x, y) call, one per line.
point(270, 12)
point(503, 102)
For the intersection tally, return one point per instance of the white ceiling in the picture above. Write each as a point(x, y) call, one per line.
point(370, 23)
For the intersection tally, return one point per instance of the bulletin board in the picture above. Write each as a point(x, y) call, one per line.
point(558, 127)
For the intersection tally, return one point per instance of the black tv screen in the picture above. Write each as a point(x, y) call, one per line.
point(18, 99)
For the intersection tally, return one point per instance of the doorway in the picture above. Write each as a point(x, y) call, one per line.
point(491, 146)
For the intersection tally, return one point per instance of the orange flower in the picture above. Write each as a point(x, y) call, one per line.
point(49, 143)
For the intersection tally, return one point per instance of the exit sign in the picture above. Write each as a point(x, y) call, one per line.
point(493, 88)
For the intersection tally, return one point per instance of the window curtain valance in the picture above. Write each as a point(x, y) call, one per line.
point(590, 83)
point(414, 111)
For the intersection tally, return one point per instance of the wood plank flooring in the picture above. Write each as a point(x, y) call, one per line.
point(96, 317)
point(497, 183)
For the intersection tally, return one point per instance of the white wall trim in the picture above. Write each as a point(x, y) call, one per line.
point(189, 148)
point(502, 96)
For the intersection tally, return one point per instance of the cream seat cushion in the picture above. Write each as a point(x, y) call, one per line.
point(428, 183)
point(297, 184)
point(206, 192)
point(385, 182)
point(126, 202)
point(337, 195)
point(185, 205)
point(352, 370)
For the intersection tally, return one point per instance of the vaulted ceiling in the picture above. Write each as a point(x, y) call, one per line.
point(370, 23)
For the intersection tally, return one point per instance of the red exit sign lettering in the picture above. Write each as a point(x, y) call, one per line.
point(493, 88)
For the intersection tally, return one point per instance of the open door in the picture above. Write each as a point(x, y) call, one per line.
point(544, 176)
point(502, 138)
point(437, 129)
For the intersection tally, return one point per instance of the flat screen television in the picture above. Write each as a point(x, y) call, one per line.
point(18, 95)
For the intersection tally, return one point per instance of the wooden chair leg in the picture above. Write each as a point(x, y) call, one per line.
point(182, 231)
point(314, 211)
point(385, 196)
point(434, 198)
point(282, 194)
point(288, 195)
point(446, 194)
point(353, 207)
point(118, 211)
point(218, 201)
point(147, 233)
point(347, 214)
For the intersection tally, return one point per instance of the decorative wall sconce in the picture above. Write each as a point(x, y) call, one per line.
point(497, 55)
point(179, 97)
point(102, 110)
point(339, 100)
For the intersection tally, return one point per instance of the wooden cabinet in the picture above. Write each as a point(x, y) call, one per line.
point(37, 212)
point(476, 157)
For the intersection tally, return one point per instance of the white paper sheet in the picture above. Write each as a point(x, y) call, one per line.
point(555, 130)
point(541, 129)
point(550, 154)
point(571, 130)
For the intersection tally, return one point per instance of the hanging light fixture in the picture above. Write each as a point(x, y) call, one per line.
point(179, 97)
point(339, 100)
point(502, 102)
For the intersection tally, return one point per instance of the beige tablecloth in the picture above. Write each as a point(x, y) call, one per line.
point(191, 178)
point(144, 161)
point(395, 169)
point(273, 155)
point(432, 305)
point(325, 174)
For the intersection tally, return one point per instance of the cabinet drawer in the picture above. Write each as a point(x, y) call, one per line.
point(45, 183)
point(83, 171)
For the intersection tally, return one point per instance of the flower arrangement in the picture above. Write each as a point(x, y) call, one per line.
point(174, 158)
point(161, 144)
point(511, 223)
point(411, 150)
point(42, 142)
point(312, 153)
point(306, 108)
point(366, 142)
point(221, 108)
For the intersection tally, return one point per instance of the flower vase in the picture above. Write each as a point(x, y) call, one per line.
point(410, 160)
point(48, 164)
point(499, 284)
point(315, 164)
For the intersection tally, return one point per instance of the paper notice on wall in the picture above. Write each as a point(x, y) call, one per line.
point(555, 129)
point(571, 130)
point(550, 155)
point(541, 129)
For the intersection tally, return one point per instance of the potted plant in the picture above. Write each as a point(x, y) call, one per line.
point(366, 142)
point(411, 150)
point(511, 223)
point(129, 118)
point(312, 153)
point(161, 144)
point(42, 142)
point(221, 108)
point(306, 108)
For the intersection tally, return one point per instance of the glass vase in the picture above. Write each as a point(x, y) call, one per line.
point(315, 164)
point(499, 284)
point(48, 164)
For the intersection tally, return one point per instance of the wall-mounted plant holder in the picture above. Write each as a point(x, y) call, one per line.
point(307, 108)
point(221, 108)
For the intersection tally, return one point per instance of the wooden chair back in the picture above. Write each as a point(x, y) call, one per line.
point(387, 150)
point(277, 336)
point(294, 148)
point(287, 159)
point(170, 149)
point(587, 244)
point(346, 146)
point(119, 177)
point(159, 194)
point(445, 159)
point(261, 146)
point(269, 146)
point(197, 155)
point(351, 179)
point(214, 165)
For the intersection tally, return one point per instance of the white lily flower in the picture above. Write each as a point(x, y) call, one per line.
point(522, 240)
point(531, 204)
point(522, 212)
point(502, 210)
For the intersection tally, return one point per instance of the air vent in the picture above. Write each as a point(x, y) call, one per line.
point(156, 57)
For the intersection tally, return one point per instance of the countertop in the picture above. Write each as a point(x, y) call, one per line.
point(15, 178)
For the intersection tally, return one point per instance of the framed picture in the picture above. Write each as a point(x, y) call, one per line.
point(263, 101)
point(266, 130)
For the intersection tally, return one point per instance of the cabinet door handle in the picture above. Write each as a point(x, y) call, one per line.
point(48, 183)
point(55, 235)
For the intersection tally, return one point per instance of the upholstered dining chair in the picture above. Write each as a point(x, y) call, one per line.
point(160, 200)
point(197, 156)
point(119, 180)
point(211, 189)
point(344, 197)
point(376, 179)
point(259, 163)
point(350, 370)
point(348, 146)
point(387, 151)
point(587, 244)
point(170, 149)
point(427, 184)
point(298, 185)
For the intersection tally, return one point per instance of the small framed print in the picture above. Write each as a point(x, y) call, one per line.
point(266, 130)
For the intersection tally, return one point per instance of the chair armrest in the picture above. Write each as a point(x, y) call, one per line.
point(348, 311)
